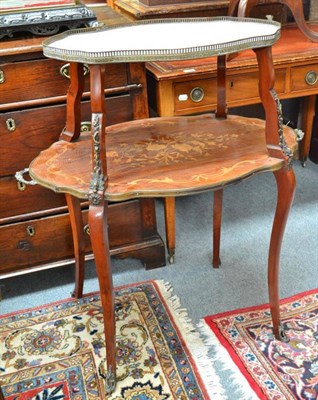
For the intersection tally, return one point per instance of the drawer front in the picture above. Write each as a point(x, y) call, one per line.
point(42, 79)
point(191, 96)
point(25, 199)
point(23, 134)
point(240, 88)
point(36, 242)
point(44, 240)
point(304, 78)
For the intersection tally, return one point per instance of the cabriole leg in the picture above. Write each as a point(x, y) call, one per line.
point(100, 244)
point(285, 180)
point(75, 213)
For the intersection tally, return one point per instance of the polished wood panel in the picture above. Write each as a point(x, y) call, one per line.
point(46, 77)
point(26, 200)
point(239, 88)
point(40, 241)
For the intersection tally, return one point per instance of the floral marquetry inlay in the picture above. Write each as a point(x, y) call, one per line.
point(145, 160)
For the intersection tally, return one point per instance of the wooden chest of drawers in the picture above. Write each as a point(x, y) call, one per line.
point(35, 231)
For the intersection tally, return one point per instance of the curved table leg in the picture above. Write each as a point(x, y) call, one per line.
point(100, 244)
point(217, 219)
point(285, 180)
point(170, 224)
point(74, 208)
point(307, 119)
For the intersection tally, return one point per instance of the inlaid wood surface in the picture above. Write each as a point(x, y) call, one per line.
point(162, 156)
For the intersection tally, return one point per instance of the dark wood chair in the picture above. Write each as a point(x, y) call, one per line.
point(163, 157)
point(243, 8)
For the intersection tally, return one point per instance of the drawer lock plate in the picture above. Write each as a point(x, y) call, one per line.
point(30, 230)
point(10, 123)
point(2, 78)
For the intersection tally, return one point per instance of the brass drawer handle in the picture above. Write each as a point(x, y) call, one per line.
point(2, 77)
point(11, 126)
point(311, 78)
point(86, 230)
point(21, 181)
point(65, 70)
point(86, 126)
point(197, 94)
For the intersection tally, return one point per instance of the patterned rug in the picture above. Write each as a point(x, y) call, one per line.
point(56, 351)
point(274, 370)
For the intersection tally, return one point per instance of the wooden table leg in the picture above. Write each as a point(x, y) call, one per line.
point(77, 226)
point(170, 206)
point(307, 119)
point(313, 154)
point(285, 180)
point(217, 219)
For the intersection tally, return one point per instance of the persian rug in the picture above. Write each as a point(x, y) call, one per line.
point(57, 351)
point(274, 369)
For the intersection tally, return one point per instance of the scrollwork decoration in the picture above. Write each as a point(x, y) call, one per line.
point(97, 183)
point(282, 142)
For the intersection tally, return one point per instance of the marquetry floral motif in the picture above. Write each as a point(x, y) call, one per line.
point(175, 147)
point(176, 159)
point(283, 370)
point(59, 351)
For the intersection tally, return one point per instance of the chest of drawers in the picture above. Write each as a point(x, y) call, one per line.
point(35, 231)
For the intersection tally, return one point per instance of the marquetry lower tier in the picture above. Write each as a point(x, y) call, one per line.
point(145, 158)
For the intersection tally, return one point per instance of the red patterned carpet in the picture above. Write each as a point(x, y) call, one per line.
point(57, 351)
point(274, 370)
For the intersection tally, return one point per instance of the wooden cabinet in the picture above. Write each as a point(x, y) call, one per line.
point(35, 230)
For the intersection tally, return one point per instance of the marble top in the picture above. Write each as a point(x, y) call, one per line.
point(158, 40)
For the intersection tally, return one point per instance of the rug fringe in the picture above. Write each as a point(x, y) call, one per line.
point(219, 353)
point(195, 343)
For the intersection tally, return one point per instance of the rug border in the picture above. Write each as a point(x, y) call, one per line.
point(262, 306)
point(192, 341)
point(225, 344)
point(67, 299)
